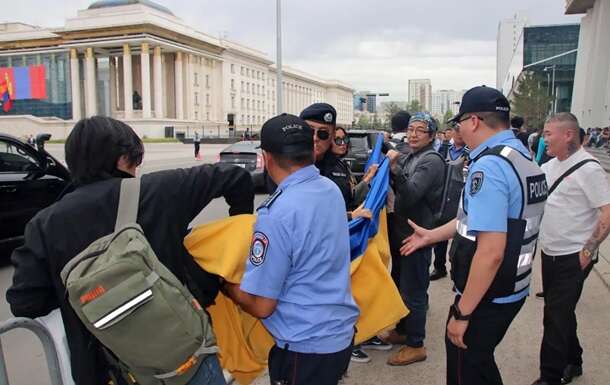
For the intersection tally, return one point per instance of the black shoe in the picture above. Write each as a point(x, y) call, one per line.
point(540, 294)
point(376, 344)
point(358, 355)
point(570, 372)
point(540, 381)
point(437, 274)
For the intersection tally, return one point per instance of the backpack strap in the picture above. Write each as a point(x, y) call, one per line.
point(203, 350)
point(128, 202)
point(570, 171)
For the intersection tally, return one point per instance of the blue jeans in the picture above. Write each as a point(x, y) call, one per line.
point(209, 373)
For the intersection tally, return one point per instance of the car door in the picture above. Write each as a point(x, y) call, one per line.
point(25, 188)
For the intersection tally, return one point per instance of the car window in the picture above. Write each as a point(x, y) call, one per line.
point(15, 159)
point(359, 143)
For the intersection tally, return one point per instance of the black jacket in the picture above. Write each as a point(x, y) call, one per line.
point(169, 201)
point(334, 169)
point(419, 188)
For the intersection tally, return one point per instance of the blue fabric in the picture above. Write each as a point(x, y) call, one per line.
point(209, 373)
point(23, 86)
point(540, 150)
point(300, 257)
point(361, 229)
point(500, 190)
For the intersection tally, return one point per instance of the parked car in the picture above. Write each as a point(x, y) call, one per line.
point(30, 180)
point(248, 155)
point(362, 143)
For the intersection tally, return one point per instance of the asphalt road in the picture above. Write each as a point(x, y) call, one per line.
point(517, 356)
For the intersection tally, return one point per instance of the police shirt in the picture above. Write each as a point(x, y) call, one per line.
point(492, 192)
point(300, 256)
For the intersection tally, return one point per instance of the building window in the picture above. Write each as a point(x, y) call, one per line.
point(242, 86)
point(232, 68)
point(248, 72)
point(263, 105)
point(247, 104)
point(263, 74)
point(207, 99)
point(196, 115)
point(241, 119)
point(232, 101)
point(196, 98)
point(207, 116)
point(242, 103)
point(196, 79)
point(232, 84)
point(242, 70)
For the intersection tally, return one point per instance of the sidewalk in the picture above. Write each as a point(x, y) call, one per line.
point(602, 268)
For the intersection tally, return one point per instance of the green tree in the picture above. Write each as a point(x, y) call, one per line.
point(414, 107)
point(531, 100)
point(390, 109)
point(448, 115)
point(363, 122)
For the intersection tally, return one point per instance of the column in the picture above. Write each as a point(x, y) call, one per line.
point(75, 84)
point(90, 102)
point(145, 65)
point(179, 87)
point(188, 78)
point(113, 101)
point(127, 82)
point(158, 82)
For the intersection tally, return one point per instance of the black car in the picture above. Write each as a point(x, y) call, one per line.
point(248, 155)
point(362, 143)
point(30, 180)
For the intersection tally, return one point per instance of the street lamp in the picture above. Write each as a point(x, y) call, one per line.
point(279, 91)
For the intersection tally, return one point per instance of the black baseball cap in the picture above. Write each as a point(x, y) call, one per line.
point(482, 99)
point(320, 112)
point(286, 134)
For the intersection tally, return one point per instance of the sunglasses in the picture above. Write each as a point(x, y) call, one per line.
point(322, 134)
point(342, 141)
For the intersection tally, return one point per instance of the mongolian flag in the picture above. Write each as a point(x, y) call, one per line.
point(222, 248)
point(6, 92)
point(21, 83)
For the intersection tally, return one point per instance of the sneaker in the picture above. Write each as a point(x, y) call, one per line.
point(358, 355)
point(376, 344)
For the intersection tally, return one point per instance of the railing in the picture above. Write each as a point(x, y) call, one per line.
point(45, 338)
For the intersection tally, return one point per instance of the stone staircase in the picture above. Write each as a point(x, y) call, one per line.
point(602, 155)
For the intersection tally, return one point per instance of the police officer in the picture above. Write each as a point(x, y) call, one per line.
point(322, 118)
point(297, 276)
point(495, 235)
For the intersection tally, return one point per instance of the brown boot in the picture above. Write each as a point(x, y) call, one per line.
point(407, 355)
point(394, 338)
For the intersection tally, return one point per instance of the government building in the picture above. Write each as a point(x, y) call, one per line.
point(138, 62)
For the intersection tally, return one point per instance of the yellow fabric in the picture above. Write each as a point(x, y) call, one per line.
point(222, 248)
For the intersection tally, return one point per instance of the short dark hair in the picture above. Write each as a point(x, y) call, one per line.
point(517, 122)
point(494, 119)
point(95, 145)
point(338, 128)
point(300, 159)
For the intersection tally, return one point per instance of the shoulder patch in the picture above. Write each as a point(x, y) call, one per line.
point(258, 249)
point(269, 201)
point(476, 182)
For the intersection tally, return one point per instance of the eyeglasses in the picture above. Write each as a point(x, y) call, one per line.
point(322, 134)
point(342, 141)
point(457, 124)
point(417, 131)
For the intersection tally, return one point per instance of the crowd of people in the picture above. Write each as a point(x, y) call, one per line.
point(297, 278)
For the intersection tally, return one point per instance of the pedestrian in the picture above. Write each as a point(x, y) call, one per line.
point(197, 143)
point(100, 153)
point(491, 255)
point(418, 198)
point(399, 124)
point(516, 124)
point(456, 151)
point(576, 221)
point(297, 277)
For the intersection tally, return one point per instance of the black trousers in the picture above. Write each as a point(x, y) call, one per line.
point(477, 365)
point(292, 368)
point(562, 282)
point(440, 256)
point(196, 149)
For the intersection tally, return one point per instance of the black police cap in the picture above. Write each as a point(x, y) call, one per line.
point(320, 112)
point(482, 99)
point(286, 134)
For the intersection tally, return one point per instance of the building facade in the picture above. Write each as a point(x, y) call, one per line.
point(446, 100)
point(591, 97)
point(509, 33)
point(421, 90)
point(136, 61)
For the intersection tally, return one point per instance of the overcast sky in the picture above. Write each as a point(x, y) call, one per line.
point(374, 46)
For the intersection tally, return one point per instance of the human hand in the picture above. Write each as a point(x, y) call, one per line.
point(361, 212)
point(370, 173)
point(420, 238)
point(585, 257)
point(455, 332)
point(393, 155)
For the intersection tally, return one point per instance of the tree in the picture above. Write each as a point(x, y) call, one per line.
point(390, 109)
point(363, 122)
point(448, 115)
point(531, 100)
point(414, 107)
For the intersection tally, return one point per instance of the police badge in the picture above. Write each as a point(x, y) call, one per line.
point(328, 117)
point(476, 182)
point(260, 242)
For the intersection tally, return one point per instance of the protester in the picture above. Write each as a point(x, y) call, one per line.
point(417, 198)
point(491, 255)
point(576, 222)
point(100, 153)
point(296, 280)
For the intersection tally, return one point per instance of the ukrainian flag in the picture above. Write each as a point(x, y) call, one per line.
point(222, 248)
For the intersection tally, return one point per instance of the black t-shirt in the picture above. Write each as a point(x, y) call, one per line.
point(334, 169)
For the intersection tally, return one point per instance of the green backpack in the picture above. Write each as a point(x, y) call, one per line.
point(135, 306)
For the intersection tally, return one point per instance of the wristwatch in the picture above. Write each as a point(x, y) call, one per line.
point(457, 314)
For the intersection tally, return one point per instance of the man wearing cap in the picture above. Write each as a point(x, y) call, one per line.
point(418, 197)
point(297, 277)
point(494, 237)
point(322, 118)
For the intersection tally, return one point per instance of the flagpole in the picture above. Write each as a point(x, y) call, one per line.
point(280, 108)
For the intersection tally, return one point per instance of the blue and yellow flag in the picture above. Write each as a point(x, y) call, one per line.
point(222, 248)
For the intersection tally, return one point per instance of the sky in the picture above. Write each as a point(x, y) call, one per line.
point(374, 46)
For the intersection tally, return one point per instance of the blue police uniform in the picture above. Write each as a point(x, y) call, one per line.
point(504, 192)
point(300, 257)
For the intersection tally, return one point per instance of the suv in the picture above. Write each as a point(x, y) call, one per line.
point(30, 180)
point(362, 143)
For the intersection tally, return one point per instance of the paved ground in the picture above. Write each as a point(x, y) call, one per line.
point(517, 355)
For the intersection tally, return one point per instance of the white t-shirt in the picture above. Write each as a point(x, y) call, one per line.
point(571, 211)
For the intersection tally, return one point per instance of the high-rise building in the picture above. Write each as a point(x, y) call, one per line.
point(446, 100)
point(421, 90)
point(371, 103)
point(509, 33)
